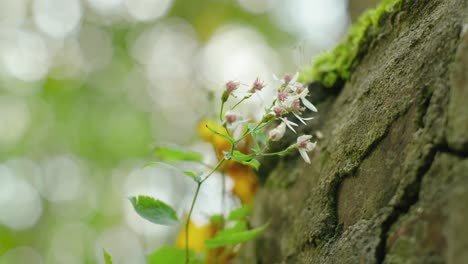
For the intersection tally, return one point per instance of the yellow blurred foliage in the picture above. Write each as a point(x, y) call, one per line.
point(198, 234)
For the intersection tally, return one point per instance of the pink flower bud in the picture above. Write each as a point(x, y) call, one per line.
point(230, 118)
point(282, 96)
point(299, 89)
point(278, 111)
point(231, 86)
point(258, 85)
point(287, 78)
point(296, 106)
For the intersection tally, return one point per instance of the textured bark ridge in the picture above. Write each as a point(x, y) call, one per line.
point(389, 181)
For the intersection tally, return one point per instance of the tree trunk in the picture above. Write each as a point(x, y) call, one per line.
point(389, 180)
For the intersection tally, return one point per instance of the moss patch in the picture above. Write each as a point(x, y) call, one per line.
point(337, 64)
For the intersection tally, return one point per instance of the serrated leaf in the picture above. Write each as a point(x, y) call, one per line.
point(191, 174)
point(177, 154)
point(240, 213)
point(154, 210)
point(107, 257)
point(172, 255)
point(227, 137)
point(223, 239)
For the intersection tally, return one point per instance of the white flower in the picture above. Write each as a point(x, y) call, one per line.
point(306, 102)
point(289, 123)
point(304, 145)
point(287, 80)
point(278, 132)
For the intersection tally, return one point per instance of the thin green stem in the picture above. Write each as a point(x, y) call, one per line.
point(221, 112)
point(248, 132)
point(223, 191)
point(271, 154)
point(240, 101)
point(213, 171)
point(187, 253)
point(194, 200)
point(288, 150)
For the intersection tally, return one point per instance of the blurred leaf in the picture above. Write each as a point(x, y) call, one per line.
point(239, 156)
point(217, 219)
point(107, 257)
point(154, 210)
point(177, 154)
point(191, 174)
point(233, 237)
point(240, 213)
point(172, 255)
point(238, 227)
point(252, 163)
point(245, 159)
point(227, 137)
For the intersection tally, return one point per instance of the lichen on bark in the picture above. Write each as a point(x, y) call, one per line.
point(387, 178)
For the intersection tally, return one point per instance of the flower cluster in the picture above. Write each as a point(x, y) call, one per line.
point(237, 142)
point(290, 99)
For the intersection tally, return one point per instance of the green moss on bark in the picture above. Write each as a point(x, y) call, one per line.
point(338, 63)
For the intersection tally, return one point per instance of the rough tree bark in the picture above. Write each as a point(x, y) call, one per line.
point(389, 181)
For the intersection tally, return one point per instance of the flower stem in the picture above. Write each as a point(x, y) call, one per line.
point(221, 112)
point(187, 253)
point(248, 132)
point(194, 200)
point(240, 101)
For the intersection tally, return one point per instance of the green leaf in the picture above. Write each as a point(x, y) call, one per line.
point(154, 210)
point(191, 174)
point(246, 159)
point(238, 227)
point(107, 257)
point(227, 137)
point(239, 156)
point(252, 163)
point(177, 154)
point(217, 219)
point(232, 238)
point(172, 255)
point(240, 213)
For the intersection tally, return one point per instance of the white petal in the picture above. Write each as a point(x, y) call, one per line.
point(304, 155)
point(308, 104)
point(311, 146)
point(294, 78)
point(260, 96)
point(303, 138)
point(300, 119)
point(290, 127)
point(304, 93)
point(289, 124)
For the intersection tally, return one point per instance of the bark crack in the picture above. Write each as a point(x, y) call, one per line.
point(409, 198)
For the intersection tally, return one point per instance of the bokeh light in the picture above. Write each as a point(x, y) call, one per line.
point(25, 55)
point(57, 18)
point(147, 10)
point(21, 255)
point(20, 204)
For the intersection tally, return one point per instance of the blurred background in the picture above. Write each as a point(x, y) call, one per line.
point(87, 87)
